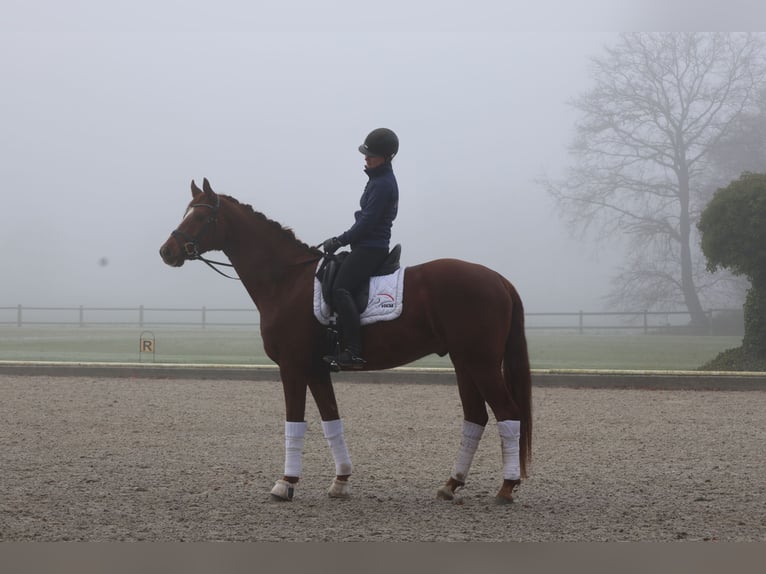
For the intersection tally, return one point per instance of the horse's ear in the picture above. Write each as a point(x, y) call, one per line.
point(195, 190)
point(206, 187)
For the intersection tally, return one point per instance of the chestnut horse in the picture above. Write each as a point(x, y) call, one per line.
point(450, 307)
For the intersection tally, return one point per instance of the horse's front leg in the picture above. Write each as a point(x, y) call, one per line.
point(332, 427)
point(294, 384)
point(294, 388)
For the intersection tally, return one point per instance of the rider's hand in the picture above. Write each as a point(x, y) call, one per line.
point(331, 245)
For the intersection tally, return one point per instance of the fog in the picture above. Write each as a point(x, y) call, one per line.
point(110, 109)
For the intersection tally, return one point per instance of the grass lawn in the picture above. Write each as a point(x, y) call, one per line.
point(547, 350)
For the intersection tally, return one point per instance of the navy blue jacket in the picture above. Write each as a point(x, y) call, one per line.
point(379, 206)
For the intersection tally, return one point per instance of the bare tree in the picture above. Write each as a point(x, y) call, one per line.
point(661, 103)
point(743, 149)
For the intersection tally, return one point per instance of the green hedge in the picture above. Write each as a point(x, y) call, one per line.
point(733, 228)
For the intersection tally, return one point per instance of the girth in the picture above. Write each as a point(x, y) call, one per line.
point(328, 271)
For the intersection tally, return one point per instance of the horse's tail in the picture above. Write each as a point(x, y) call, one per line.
point(518, 376)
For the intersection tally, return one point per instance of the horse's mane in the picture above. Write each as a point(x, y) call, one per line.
point(278, 228)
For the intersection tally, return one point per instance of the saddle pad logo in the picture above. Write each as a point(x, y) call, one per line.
point(385, 302)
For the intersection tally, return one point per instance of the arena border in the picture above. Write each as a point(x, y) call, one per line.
point(571, 378)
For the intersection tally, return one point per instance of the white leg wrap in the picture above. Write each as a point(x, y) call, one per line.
point(469, 442)
point(333, 432)
point(510, 431)
point(294, 433)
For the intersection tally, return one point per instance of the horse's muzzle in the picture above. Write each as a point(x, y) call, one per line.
point(171, 254)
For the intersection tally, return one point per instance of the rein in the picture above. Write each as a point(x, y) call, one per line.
point(212, 265)
point(191, 244)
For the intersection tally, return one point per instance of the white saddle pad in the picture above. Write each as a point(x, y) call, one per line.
point(385, 302)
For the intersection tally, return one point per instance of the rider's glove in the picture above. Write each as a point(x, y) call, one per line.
point(331, 245)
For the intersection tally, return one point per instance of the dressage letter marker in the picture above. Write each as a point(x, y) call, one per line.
point(146, 345)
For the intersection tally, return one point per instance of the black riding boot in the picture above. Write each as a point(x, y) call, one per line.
point(351, 331)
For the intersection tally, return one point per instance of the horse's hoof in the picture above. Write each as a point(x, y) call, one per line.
point(283, 491)
point(445, 493)
point(339, 489)
point(505, 494)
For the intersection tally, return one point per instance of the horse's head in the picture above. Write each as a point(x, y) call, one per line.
point(197, 231)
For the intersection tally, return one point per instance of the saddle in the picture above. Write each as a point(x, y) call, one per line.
point(328, 271)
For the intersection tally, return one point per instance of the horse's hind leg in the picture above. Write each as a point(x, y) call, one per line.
point(469, 443)
point(507, 415)
point(487, 385)
point(474, 420)
point(510, 433)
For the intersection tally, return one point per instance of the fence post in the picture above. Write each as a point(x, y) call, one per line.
point(18, 316)
point(204, 316)
point(580, 324)
point(141, 316)
point(82, 316)
point(710, 322)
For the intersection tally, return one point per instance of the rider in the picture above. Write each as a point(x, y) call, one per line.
point(369, 238)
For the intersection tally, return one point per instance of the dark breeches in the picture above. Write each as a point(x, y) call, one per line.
point(357, 268)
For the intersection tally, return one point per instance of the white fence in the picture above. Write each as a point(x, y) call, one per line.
point(720, 321)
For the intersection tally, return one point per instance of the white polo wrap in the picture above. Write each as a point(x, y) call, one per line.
point(469, 442)
point(510, 432)
point(333, 432)
point(294, 439)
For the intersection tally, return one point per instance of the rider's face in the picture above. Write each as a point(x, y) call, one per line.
point(373, 161)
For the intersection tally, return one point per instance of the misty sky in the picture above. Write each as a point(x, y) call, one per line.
point(109, 109)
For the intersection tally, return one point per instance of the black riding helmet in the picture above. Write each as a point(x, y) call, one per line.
point(381, 142)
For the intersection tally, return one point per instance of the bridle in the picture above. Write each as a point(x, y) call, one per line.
point(191, 244)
